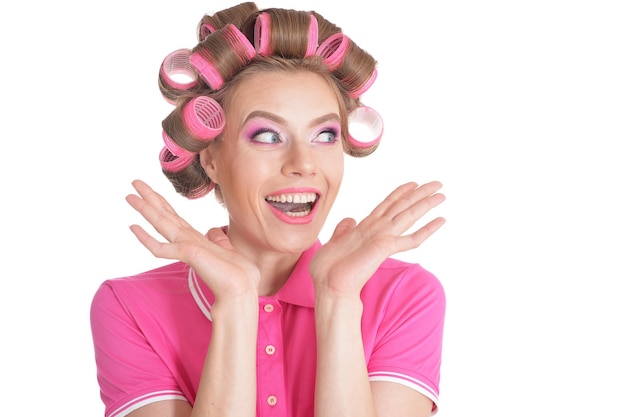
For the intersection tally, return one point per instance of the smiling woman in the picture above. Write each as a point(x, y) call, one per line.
point(258, 316)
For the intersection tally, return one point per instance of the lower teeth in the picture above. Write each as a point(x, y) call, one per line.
point(298, 213)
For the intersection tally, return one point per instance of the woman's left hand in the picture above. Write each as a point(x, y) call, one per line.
point(354, 252)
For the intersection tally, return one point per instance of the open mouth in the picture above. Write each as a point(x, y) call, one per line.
point(293, 204)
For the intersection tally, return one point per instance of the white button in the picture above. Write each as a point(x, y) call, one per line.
point(268, 308)
point(270, 349)
point(272, 400)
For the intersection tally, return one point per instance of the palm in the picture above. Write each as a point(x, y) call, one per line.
point(212, 256)
point(355, 251)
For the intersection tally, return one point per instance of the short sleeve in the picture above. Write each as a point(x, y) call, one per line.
point(130, 372)
point(409, 316)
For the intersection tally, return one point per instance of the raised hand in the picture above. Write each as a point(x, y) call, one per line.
point(354, 252)
point(214, 259)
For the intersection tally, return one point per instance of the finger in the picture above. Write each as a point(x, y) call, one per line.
point(407, 218)
point(394, 196)
point(157, 217)
point(411, 197)
point(150, 196)
point(155, 247)
point(343, 227)
point(413, 240)
point(405, 196)
point(157, 212)
point(217, 236)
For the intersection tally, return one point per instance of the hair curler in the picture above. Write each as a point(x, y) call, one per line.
point(334, 50)
point(203, 57)
point(358, 91)
point(204, 30)
point(200, 191)
point(204, 117)
point(174, 149)
point(174, 163)
point(177, 72)
point(313, 37)
point(263, 34)
point(365, 127)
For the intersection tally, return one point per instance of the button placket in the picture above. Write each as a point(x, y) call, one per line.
point(270, 367)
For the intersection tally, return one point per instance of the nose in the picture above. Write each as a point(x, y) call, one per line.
point(299, 160)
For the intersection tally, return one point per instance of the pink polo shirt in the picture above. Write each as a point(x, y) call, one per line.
point(151, 332)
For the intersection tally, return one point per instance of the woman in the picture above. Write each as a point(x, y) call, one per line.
point(258, 317)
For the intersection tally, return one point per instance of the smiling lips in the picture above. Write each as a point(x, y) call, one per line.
point(294, 207)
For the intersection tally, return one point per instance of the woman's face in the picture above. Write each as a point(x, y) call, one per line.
point(279, 163)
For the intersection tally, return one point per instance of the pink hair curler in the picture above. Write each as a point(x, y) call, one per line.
point(262, 34)
point(173, 163)
point(205, 30)
point(207, 71)
point(363, 88)
point(365, 127)
point(174, 149)
point(313, 37)
point(202, 61)
point(200, 191)
point(204, 117)
point(177, 71)
point(334, 50)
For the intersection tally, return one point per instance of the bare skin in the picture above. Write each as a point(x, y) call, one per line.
point(340, 269)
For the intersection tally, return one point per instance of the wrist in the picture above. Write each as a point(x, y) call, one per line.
point(331, 303)
point(237, 308)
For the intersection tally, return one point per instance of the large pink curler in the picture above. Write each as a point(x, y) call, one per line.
point(313, 37)
point(207, 71)
point(334, 50)
point(177, 72)
point(365, 127)
point(262, 34)
point(173, 163)
point(204, 117)
point(174, 149)
point(363, 88)
point(203, 61)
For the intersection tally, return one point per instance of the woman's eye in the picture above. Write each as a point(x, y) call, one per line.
point(266, 137)
point(327, 136)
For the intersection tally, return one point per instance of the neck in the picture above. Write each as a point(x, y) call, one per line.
point(274, 265)
point(275, 270)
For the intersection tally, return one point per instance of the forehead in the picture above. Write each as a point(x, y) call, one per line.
point(285, 93)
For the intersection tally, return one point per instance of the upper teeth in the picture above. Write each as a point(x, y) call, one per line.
point(292, 198)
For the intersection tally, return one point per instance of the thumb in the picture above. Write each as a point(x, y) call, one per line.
point(219, 237)
point(343, 227)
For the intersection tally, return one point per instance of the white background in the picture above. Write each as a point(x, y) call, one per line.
point(518, 107)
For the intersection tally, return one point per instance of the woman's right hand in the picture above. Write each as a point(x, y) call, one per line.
point(227, 273)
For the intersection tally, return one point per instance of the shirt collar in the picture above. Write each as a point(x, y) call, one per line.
point(298, 289)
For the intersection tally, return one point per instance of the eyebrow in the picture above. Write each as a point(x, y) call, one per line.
point(280, 120)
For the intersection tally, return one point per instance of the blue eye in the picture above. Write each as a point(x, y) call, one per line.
point(266, 136)
point(327, 136)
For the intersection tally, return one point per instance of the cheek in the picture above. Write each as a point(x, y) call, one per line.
point(243, 173)
point(333, 166)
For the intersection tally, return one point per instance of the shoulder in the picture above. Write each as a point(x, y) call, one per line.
point(404, 280)
point(401, 291)
point(164, 277)
point(143, 289)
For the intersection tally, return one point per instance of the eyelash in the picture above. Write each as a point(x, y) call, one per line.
point(332, 131)
point(265, 131)
point(276, 137)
